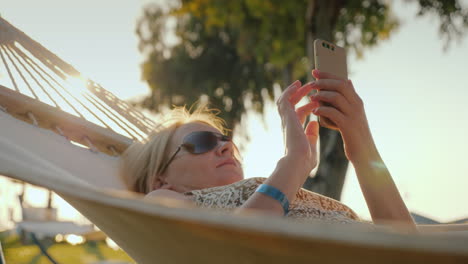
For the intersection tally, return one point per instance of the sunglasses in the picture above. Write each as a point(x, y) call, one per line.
point(198, 142)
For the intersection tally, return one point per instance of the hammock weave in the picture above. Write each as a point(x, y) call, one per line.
point(56, 102)
point(32, 70)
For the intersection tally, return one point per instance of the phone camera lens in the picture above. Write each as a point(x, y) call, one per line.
point(327, 46)
point(323, 44)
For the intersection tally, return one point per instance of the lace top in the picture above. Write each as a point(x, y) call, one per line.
point(306, 205)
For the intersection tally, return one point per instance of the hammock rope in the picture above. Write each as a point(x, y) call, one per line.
point(96, 104)
point(44, 73)
point(136, 118)
point(32, 77)
point(54, 80)
point(28, 61)
point(8, 70)
point(21, 74)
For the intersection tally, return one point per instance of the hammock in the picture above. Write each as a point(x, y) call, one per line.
point(37, 126)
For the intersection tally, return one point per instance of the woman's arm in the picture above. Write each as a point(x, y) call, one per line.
point(300, 155)
point(170, 197)
point(380, 192)
point(346, 109)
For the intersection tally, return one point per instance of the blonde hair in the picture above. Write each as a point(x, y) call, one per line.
point(143, 161)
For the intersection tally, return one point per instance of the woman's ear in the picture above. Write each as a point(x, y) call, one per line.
point(161, 183)
point(157, 183)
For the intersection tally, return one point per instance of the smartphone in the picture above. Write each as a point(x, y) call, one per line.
point(332, 59)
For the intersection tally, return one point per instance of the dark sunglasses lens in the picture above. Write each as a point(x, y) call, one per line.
point(200, 142)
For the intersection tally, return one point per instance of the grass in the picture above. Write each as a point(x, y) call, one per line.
point(90, 252)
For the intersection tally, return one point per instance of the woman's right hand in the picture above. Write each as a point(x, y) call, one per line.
point(301, 151)
point(300, 146)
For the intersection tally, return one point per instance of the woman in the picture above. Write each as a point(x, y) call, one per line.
point(191, 160)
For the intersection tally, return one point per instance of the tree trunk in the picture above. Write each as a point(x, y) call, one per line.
point(287, 75)
point(320, 20)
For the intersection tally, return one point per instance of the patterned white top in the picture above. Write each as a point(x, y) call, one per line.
point(306, 205)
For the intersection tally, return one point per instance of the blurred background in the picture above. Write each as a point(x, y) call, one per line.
point(407, 60)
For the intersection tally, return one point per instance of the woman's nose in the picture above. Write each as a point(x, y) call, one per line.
point(226, 147)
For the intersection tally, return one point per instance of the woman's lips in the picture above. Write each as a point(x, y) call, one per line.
point(227, 162)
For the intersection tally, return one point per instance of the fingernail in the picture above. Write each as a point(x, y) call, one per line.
point(315, 110)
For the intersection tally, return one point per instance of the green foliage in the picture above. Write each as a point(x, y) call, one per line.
point(364, 24)
point(453, 18)
point(231, 51)
point(204, 62)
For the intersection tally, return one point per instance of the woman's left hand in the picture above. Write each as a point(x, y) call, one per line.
point(346, 109)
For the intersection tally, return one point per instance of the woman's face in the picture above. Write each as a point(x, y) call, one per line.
point(187, 171)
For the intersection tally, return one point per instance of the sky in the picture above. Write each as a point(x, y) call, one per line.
point(414, 94)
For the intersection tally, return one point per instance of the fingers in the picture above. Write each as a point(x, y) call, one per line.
point(285, 108)
point(328, 81)
point(331, 113)
point(305, 110)
point(295, 92)
point(292, 89)
point(288, 115)
point(295, 139)
point(339, 86)
point(296, 96)
point(335, 99)
point(291, 96)
point(325, 75)
point(312, 133)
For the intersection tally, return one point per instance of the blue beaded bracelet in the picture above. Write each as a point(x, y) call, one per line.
point(275, 194)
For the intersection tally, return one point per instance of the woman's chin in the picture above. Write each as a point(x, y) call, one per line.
point(231, 177)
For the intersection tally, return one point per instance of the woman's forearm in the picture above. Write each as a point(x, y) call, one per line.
point(380, 192)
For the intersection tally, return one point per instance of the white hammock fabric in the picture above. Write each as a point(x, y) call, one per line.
point(165, 231)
